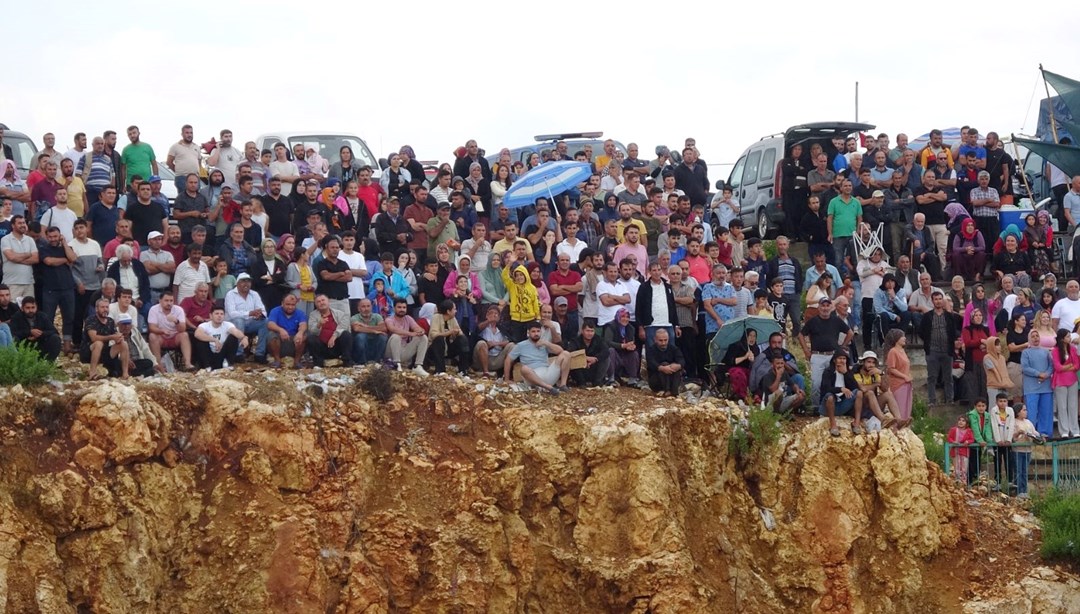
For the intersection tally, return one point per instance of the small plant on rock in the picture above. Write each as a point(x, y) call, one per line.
point(753, 431)
point(378, 384)
point(22, 364)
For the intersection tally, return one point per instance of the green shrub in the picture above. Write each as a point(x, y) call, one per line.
point(931, 431)
point(22, 364)
point(1059, 513)
point(756, 432)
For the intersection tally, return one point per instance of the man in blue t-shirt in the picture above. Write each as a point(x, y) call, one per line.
point(535, 369)
point(287, 327)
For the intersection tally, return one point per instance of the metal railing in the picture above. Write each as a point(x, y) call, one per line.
point(1053, 464)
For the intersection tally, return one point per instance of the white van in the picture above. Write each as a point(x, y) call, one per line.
point(327, 144)
point(755, 179)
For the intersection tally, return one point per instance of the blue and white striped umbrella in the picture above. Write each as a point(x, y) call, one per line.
point(950, 137)
point(546, 180)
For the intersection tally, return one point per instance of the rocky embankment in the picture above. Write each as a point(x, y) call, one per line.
point(251, 492)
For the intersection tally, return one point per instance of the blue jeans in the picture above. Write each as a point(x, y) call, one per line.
point(368, 347)
point(254, 327)
point(843, 407)
point(1020, 463)
point(5, 335)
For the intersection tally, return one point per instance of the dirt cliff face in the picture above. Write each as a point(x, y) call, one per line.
point(260, 493)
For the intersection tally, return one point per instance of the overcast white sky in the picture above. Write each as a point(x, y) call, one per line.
point(433, 74)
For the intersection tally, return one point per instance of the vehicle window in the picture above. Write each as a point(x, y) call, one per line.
point(329, 147)
point(1034, 165)
point(768, 164)
point(23, 151)
point(750, 175)
point(735, 180)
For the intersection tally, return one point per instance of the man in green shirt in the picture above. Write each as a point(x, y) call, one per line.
point(441, 230)
point(138, 157)
point(845, 215)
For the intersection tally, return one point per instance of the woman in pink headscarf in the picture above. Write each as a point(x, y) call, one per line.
point(13, 187)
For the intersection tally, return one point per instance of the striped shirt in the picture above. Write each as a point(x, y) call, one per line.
point(101, 171)
point(981, 194)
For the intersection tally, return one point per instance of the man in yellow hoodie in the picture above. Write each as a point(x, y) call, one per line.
point(524, 300)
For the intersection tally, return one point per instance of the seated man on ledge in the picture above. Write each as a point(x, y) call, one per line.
point(535, 369)
point(32, 327)
point(102, 343)
point(839, 391)
point(665, 365)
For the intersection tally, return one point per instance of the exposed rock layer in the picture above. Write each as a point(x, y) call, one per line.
point(253, 496)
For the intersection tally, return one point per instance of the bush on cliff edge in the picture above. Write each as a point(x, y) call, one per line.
point(22, 364)
point(1059, 513)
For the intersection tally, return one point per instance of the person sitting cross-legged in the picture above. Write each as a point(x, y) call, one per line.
point(287, 328)
point(217, 340)
point(597, 356)
point(781, 389)
point(535, 369)
point(102, 343)
point(328, 333)
point(35, 329)
point(665, 365)
point(494, 343)
point(368, 333)
point(141, 361)
point(247, 312)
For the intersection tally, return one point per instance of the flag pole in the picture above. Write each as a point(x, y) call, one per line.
point(1049, 103)
point(1023, 175)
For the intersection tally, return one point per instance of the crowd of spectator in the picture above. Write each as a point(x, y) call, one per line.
point(280, 257)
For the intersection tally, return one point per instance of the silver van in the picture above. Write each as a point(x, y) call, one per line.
point(755, 178)
point(23, 150)
point(327, 144)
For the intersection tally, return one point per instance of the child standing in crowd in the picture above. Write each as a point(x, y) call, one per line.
point(1023, 436)
point(979, 421)
point(1003, 422)
point(223, 281)
point(960, 436)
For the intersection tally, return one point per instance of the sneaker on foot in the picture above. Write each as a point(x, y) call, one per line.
point(420, 371)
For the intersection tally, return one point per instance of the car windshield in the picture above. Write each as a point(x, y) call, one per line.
point(23, 151)
point(329, 147)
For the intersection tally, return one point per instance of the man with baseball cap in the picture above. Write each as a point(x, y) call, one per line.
point(820, 338)
point(245, 310)
point(160, 265)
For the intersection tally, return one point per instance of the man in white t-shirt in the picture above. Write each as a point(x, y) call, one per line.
point(217, 340)
point(189, 273)
point(477, 247)
point(570, 245)
point(1067, 310)
point(284, 169)
point(611, 294)
point(357, 266)
point(225, 157)
point(60, 215)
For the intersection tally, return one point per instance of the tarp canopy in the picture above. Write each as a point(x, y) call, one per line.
point(1068, 98)
point(1065, 157)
